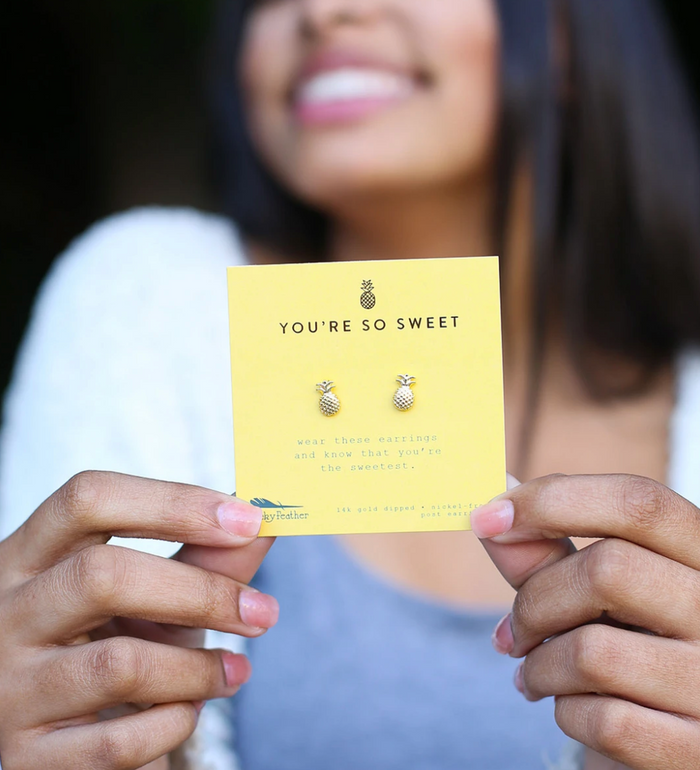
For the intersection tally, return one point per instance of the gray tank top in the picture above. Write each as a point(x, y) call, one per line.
point(359, 674)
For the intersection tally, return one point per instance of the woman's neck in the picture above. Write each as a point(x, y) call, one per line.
point(412, 226)
point(449, 222)
point(437, 223)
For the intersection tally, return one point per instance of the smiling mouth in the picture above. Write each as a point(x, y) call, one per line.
point(350, 93)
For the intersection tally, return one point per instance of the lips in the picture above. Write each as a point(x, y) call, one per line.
point(341, 87)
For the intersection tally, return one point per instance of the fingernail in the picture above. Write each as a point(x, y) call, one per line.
point(494, 518)
point(239, 518)
point(258, 610)
point(237, 669)
point(502, 638)
point(518, 679)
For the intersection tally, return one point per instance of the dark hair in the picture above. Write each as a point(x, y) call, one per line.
point(606, 123)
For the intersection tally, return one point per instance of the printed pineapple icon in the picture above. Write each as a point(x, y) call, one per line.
point(329, 403)
point(368, 300)
point(404, 397)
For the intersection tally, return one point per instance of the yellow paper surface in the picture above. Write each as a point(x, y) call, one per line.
point(369, 468)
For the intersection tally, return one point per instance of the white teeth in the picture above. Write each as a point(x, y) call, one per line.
point(354, 83)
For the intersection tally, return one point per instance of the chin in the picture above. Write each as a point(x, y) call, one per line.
point(351, 172)
point(327, 168)
point(341, 193)
point(329, 183)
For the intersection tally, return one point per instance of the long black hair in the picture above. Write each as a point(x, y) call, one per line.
point(595, 101)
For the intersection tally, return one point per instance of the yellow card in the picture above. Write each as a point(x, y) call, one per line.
point(360, 325)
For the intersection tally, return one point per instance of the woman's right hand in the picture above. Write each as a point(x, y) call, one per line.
point(86, 627)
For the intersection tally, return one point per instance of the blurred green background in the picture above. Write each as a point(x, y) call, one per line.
point(103, 109)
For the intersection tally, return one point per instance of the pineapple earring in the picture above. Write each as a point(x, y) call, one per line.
point(404, 397)
point(329, 403)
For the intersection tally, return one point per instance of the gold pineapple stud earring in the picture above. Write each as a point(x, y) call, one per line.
point(329, 403)
point(404, 397)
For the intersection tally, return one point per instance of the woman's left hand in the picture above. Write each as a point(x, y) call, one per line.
point(612, 631)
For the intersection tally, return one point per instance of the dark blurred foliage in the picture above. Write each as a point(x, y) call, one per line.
point(103, 110)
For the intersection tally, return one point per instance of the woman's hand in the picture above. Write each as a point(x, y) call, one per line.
point(86, 627)
point(612, 631)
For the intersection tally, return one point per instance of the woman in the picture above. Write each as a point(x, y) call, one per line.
point(380, 131)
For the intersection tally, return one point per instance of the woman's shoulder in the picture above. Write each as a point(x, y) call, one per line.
point(125, 361)
point(158, 227)
point(147, 241)
point(147, 271)
point(137, 293)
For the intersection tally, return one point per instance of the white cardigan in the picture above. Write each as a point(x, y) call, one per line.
point(125, 367)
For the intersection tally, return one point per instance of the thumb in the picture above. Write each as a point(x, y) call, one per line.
point(515, 561)
point(240, 564)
